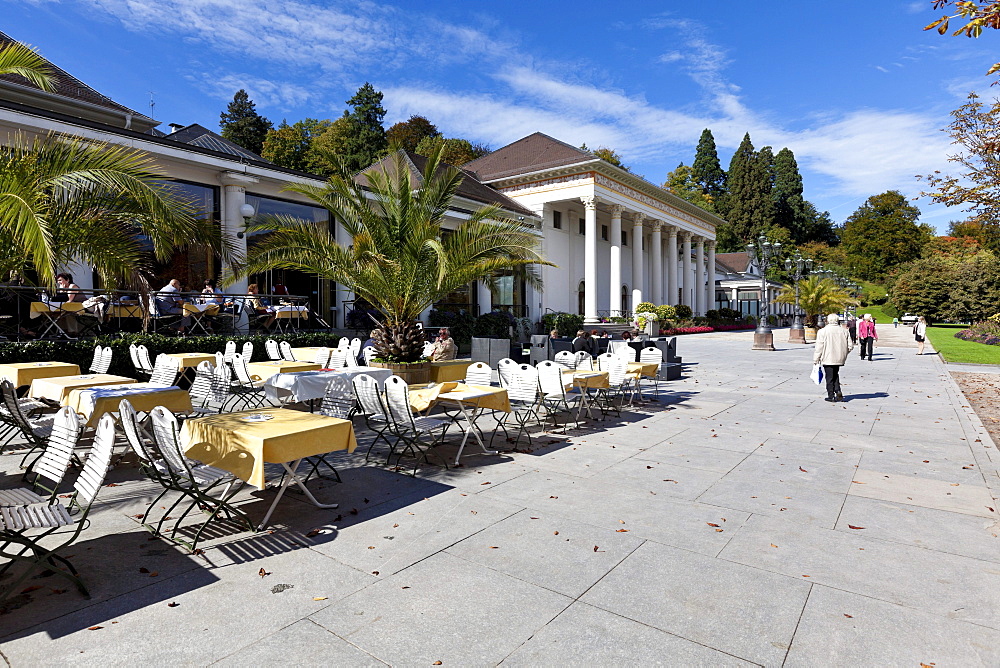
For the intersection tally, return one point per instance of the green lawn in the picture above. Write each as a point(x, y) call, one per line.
point(876, 311)
point(942, 337)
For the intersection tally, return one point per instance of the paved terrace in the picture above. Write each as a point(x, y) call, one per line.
point(745, 521)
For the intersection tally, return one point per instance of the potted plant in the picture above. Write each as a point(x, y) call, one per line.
point(816, 297)
point(398, 260)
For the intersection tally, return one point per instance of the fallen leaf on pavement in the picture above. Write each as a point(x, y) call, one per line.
point(803, 470)
point(172, 605)
point(262, 573)
point(854, 527)
point(773, 545)
point(848, 616)
point(319, 598)
point(94, 628)
point(711, 524)
point(143, 570)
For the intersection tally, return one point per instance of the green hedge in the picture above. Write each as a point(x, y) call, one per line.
point(568, 324)
point(81, 353)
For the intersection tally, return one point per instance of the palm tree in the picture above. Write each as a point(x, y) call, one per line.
point(816, 295)
point(400, 260)
point(64, 198)
point(24, 61)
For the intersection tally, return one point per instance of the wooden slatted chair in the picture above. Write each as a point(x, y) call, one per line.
point(35, 431)
point(48, 471)
point(554, 398)
point(165, 372)
point(286, 351)
point(36, 550)
point(411, 431)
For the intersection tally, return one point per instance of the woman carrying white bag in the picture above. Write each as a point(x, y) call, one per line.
point(833, 344)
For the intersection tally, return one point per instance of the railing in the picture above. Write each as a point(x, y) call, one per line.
point(28, 312)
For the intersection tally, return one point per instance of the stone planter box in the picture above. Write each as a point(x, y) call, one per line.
point(413, 374)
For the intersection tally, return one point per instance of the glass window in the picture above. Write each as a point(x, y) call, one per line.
point(583, 226)
point(557, 220)
point(604, 232)
point(624, 238)
point(194, 264)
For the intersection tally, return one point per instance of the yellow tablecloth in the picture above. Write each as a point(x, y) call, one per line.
point(292, 312)
point(594, 379)
point(422, 398)
point(448, 370)
point(125, 311)
point(229, 442)
point(198, 310)
point(58, 388)
point(23, 373)
point(307, 354)
point(143, 398)
point(265, 370)
point(647, 369)
point(38, 308)
point(187, 360)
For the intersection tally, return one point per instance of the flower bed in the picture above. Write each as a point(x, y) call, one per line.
point(685, 330)
point(986, 332)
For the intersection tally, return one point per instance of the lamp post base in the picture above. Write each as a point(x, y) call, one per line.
point(797, 335)
point(763, 339)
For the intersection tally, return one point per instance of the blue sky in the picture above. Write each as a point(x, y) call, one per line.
point(855, 89)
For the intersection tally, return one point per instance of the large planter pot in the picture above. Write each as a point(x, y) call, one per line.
point(413, 374)
point(810, 334)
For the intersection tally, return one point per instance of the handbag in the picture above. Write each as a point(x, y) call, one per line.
point(817, 374)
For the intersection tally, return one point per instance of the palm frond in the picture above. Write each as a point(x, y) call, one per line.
point(24, 61)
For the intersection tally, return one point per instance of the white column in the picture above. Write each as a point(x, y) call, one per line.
point(590, 260)
point(485, 297)
point(671, 298)
point(710, 288)
point(656, 261)
point(616, 260)
point(686, 269)
point(234, 196)
point(637, 260)
point(699, 277)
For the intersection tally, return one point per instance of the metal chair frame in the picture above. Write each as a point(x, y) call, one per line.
point(408, 429)
point(523, 393)
point(50, 468)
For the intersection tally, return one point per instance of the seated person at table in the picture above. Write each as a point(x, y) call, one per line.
point(582, 342)
point(369, 343)
point(169, 302)
point(68, 292)
point(211, 294)
point(444, 346)
point(260, 306)
point(554, 334)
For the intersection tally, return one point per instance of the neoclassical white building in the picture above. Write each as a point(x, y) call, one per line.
point(617, 239)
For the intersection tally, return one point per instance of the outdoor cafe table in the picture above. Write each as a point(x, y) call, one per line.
point(311, 385)
point(461, 396)
point(23, 373)
point(287, 317)
point(586, 380)
point(53, 313)
point(57, 389)
point(307, 354)
point(448, 370)
point(124, 311)
point(637, 370)
point(238, 443)
point(94, 402)
point(199, 311)
point(265, 370)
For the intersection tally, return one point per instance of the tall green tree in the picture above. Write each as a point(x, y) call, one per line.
point(706, 169)
point(748, 206)
point(681, 182)
point(241, 124)
point(398, 259)
point(453, 151)
point(975, 292)
point(789, 206)
point(24, 61)
point(925, 288)
point(366, 142)
point(883, 234)
point(65, 198)
point(291, 146)
point(407, 134)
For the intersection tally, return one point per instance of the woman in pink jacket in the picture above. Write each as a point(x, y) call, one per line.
point(867, 334)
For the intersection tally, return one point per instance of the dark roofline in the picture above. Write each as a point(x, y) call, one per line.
point(163, 141)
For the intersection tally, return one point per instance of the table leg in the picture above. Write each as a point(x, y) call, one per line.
point(470, 426)
point(290, 476)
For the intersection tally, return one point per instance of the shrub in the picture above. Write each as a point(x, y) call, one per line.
point(568, 324)
point(645, 307)
point(712, 315)
point(683, 311)
point(730, 314)
point(890, 310)
point(665, 313)
point(459, 324)
point(495, 325)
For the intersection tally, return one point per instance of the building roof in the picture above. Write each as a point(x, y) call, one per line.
point(197, 135)
point(70, 88)
point(470, 188)
point(734, 263)
point(532, 153)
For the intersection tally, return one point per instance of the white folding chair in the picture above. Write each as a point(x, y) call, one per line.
point(48, 471)
point(479, 373)
point(584, 361)
point(343, 343)
point(286, 351)
point(271, 348)
point(165, 372)
point(619, 383)
point(566, 360)
point(95, 364)
point(368, 394)
point(322, 357)
point(356, 347)
point(145, 367)
point(230, 350)
point(627, 353)
point(506, 370)
point(248, 351)
point(651, 355)
point(410, 430)
point(604, 361)
point(554, 398)
point(523, 393)
point(338, 358)
point(367, 354)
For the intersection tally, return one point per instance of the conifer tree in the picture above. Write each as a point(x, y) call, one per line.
point(706, 169)
point(789, 207)
point(366, 142)
point(748, 206)
point(241, 124)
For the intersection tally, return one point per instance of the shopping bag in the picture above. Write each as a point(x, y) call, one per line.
point(817, 374)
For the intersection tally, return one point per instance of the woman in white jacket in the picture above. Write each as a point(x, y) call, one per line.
point(920, 334)
point(833, 344)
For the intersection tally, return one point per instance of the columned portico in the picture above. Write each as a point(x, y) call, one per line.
point(637, 220)
point(671, 298)
point(590, 260)
point(686, 269)
point(616, 260)
point(699, 277)
point(710, 287)
point(656, 264)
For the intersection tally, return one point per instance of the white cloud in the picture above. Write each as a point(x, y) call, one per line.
point(281, 95)
point(881, 69)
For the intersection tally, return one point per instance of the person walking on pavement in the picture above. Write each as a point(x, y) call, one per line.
point(920, 334)
point(895, 323)
point(868, 335)
point(833, 344)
